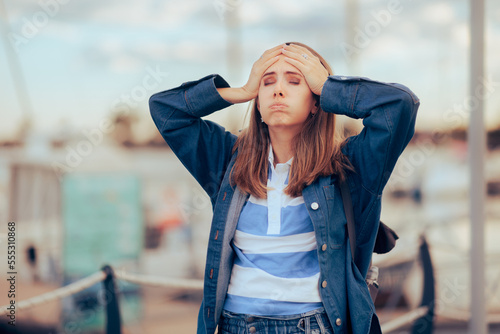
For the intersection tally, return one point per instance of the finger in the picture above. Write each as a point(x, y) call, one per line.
point(269, 62)
point(299, 49)
point(302, 51)
point(296, 63)
point(277, 47)
point(272, 50)
point(267, 56)
point(294, 55)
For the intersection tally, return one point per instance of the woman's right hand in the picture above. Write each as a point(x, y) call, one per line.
point(268, 58)
point(250, 90)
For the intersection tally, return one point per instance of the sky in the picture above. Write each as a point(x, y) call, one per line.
point(74, 63)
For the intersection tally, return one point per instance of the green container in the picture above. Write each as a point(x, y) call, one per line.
point(103, 224)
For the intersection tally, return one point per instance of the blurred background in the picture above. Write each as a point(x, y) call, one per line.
point(88, 180)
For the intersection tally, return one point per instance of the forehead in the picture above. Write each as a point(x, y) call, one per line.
point(281, 66)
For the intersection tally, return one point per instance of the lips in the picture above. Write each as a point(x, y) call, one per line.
point(278, 106)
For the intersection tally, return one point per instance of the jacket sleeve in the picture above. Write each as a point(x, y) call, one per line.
point(388, 112)
point(202, 146)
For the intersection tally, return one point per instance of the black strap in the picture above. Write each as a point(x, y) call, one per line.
point(349, 214)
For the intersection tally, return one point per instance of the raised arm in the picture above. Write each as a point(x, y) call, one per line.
point(388, 112)
point(202, 146)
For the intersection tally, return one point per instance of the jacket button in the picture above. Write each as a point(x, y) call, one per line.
point(324, 284)
point(314, 205)
point(324, 247)
point(252, 329)
point(338, 322)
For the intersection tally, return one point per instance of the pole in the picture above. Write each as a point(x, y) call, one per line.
point(113, 318)
point(476, 151)
point(425, 324)
point(352, 22)
point(234, 61)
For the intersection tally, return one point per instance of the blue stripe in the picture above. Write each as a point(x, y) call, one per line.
point(253, 219)
point(294, 220)
point(285, 265)
point(258, 306)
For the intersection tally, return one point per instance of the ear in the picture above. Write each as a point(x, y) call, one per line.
point(315, 108)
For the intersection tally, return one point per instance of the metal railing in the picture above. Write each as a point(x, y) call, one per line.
point(421, 318)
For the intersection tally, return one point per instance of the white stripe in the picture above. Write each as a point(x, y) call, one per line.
point(256, 283)
point(273, 212)
point(259, 201)
point(256, 244)
point(289, 201)
point(286, 201)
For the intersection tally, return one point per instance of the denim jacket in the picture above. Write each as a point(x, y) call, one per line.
point(206, 150)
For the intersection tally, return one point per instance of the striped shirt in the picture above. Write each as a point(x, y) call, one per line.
point(276, 267)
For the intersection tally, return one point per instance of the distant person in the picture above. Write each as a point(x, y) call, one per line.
point(31, 256)
point(278, 259)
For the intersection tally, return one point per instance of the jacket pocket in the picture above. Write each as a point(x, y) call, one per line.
point(336, 223)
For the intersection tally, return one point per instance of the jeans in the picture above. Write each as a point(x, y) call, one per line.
point(312, 322)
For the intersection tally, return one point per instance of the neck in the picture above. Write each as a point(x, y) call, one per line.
point(282, 145)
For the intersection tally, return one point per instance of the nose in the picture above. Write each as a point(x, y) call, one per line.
point(278, 89)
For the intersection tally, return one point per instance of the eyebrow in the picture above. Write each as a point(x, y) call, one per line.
point(287, 72)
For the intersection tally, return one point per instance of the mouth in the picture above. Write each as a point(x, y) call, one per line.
point(278, 106)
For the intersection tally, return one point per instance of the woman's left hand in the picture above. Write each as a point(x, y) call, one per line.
point(307, 63)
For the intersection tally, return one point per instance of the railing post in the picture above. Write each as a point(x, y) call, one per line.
point(113, 319)
point(425, 324)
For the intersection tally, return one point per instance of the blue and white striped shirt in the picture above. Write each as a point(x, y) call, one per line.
point(276, 268)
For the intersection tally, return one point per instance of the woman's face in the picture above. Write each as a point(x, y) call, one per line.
point(284, 99)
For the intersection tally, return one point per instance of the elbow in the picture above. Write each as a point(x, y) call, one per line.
point(412, 103)
point(152, 102)
point(155, 110)
point(154, 99)
point(408, 97)
point(155, 107)
point(408, 104)
point(407, 118)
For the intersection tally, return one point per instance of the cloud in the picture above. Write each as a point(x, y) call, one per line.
point(461, 35)
point(105, 38)
point(438, 13)
point(162, 15)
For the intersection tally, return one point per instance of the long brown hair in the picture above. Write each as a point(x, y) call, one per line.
point(317, 151)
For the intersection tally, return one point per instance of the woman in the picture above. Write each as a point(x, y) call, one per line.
point(278, 259)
